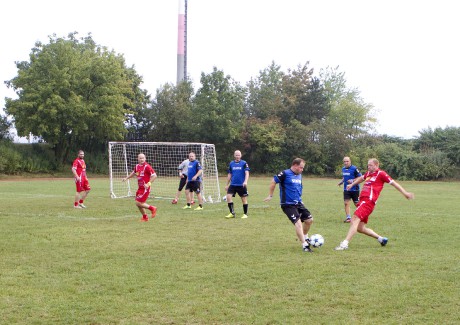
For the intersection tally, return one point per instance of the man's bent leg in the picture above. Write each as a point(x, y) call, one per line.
point(367, 231)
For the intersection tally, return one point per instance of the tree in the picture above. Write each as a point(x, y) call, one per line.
point(136, 122)
point(263, 143)
point(217, 111)
point(446, 140)
point(168, 119)
point(303, 97)
point(265, 93)
point(73, 93)
point(348, 110)
point(4, 128)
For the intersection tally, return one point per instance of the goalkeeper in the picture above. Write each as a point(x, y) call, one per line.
point(145, 176)
point(183, 170)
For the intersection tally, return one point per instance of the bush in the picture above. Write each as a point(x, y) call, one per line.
point(404, 164)
point(10, 159)
point(433, 166)
point(17, 158)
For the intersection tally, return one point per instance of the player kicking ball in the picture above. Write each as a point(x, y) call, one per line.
point(145, 176)
point(373, 179)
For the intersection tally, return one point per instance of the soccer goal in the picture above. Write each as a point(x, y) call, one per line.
point(165, 158)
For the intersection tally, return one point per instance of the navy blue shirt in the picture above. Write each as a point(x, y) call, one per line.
point(193, 168)
point(290, 187)
point(238, 172)
point(349, 174)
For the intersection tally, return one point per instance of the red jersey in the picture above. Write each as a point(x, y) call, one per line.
point(373, 184)
point(143, 173)
point(80, 167)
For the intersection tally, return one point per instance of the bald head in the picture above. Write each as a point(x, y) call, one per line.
point(237, 155)
point(141, 158)
point(347, 162)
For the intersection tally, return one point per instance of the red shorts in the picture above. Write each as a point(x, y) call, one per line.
point(142, 194)
point(82, 185)
point(364, 210)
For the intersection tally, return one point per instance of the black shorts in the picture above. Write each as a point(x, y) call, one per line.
point(183, 181)
point(241, 190)
point(294, 212)
point(193, 186)
point(351, 195)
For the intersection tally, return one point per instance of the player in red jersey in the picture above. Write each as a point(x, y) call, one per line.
point(374, 180)
point(145, 176)
point(81, 181)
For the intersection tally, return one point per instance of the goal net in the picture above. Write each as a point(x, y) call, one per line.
point(165, 158)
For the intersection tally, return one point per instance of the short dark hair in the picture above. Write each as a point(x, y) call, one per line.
point(297, 161)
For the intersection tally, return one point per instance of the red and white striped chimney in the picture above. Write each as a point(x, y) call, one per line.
point(182, 42)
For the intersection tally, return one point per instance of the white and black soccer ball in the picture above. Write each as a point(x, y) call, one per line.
point(316, 240)
point(224, 198)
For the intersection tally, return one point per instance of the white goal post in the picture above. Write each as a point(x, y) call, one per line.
point(164, 157)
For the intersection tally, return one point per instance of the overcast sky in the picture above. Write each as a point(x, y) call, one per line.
point(404, 56)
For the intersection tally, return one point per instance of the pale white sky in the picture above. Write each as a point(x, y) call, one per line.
point(402, 55)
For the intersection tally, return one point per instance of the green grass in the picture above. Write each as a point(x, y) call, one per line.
point(100, 265)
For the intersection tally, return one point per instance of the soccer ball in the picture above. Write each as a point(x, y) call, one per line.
point(316, 240)
point(224, 198)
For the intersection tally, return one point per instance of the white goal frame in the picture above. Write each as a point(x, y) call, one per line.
point(164, 157)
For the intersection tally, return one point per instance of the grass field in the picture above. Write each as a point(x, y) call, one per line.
point(101, 265)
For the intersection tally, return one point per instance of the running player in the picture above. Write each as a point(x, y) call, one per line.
point(145, 176)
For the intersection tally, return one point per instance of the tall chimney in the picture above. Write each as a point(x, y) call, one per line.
point(182, 42)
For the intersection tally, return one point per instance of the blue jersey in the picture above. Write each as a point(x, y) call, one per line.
point(349, 174)
point(290, 187)
point(193, 168)
point(238, 172)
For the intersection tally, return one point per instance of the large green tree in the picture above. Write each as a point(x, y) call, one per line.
point(218, 109)
point(262, 144)
point(303, 97)
point(290, 108)
point(348, 111)
point(168, 118)
point(265, 93)
point(73, 93)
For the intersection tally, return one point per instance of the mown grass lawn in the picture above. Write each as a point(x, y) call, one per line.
point(100, 265)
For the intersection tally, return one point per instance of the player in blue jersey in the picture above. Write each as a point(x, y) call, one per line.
point(193, 181)
point(290, 181)
point(349, 173)
point(237, 182)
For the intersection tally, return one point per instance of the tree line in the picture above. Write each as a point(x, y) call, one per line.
point(73, 93)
